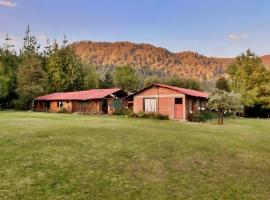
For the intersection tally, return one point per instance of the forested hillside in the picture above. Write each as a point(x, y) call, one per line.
point(141, 56)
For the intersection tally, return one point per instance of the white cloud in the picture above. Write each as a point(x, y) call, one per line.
point(7, 3)
point(237, 37)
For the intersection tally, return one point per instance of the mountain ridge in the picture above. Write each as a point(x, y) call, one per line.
point(142, 55)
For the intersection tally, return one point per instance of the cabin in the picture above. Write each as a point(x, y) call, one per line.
point(94, 101)
point(177, 103)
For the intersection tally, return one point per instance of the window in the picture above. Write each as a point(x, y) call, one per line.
point(150, 105)
point(178, 101)
point(60, 104)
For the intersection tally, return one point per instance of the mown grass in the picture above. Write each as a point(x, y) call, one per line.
point(61, 156)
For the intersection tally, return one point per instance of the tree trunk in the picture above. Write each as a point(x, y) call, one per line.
point(222, 117)
point(219, 118)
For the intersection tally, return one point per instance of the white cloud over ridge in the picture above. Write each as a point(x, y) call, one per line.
point(7, 3)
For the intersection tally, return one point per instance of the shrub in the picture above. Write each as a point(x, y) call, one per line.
point(161, 117)
point(202, 116)
point(196, 118)
point(143, 115)
point(132, 115)
point(19, 105)
point(148, 115)
point(62, 110)
point(207, 115)
point(118, 112)
point(228, 114)
point(122, 111)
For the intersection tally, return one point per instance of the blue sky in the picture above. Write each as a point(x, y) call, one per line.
point(222, 28)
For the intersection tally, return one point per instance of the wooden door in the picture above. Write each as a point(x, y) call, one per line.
point(178, 108)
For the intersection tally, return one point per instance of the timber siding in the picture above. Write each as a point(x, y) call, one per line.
point(95, 101)
point(169, 101)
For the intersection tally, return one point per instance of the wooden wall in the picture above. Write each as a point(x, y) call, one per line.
point(80, 107)
point(165, 102)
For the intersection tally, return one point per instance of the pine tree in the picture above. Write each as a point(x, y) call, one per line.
point(8, 46)
point(32, 81)
point(31, 75)
point(107, 82)
point(8, 65)
point(64, 70)
point(4, 82)
point(90, 77)
point(48, 48)
point(30, 44)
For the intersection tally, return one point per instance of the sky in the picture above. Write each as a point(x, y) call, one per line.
point(220, 28)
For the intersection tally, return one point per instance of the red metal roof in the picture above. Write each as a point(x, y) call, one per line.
point(79, 95)
point(189, 92)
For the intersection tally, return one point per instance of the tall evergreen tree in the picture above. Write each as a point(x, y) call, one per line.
point(8, 66)
point(90, 77)
point(4, 82)
point(32, 81)
point(30, 44)
point(107, 82)
point(8, 46)
point(31, 75)
point(64, 70)
point(48, 48)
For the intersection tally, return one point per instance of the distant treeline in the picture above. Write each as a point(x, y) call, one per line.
point(34, 71)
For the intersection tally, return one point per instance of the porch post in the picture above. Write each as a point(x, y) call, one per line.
point(184, 108)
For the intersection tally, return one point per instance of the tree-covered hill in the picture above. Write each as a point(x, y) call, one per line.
point(140, 56)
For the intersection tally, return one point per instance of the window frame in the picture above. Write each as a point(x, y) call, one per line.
point(150, 98)
point(178, 98)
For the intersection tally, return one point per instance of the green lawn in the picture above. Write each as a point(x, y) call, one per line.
point(61, 156)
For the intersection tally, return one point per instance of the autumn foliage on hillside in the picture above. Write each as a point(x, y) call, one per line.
point(187, 64)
